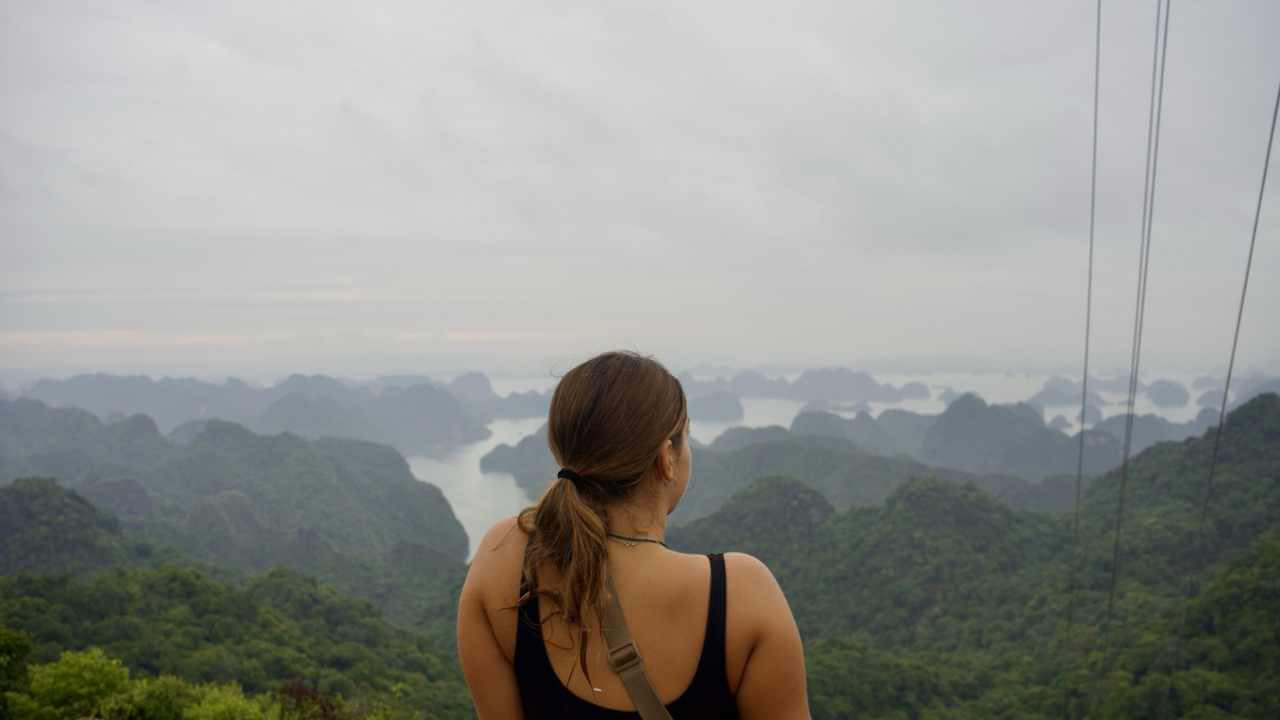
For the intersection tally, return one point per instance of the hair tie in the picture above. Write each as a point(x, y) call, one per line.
point(569, 475)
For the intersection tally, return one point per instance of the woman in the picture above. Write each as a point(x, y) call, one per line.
point(716, 634)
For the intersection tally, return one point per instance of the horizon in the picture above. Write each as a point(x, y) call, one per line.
point(20, 379)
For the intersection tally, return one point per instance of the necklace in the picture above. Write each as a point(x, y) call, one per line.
point(633, 541)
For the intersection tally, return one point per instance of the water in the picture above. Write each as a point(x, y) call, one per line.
point(756, 412)
point(479, 499)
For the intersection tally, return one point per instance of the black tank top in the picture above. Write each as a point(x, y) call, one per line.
point(543, 695)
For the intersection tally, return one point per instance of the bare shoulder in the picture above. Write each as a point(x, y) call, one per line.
point(748, 576)
point(755, 607)
point(492, 585)
point(499, 552)
point(745, 564)
point(763, 652)
point(506, 533)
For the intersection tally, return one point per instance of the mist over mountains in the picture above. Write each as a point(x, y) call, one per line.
point(412, 413)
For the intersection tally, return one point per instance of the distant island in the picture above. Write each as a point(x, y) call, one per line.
point(411, 413)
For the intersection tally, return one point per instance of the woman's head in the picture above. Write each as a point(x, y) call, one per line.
point(619, 421)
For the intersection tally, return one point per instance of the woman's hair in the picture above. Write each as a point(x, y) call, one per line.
point(609, 419)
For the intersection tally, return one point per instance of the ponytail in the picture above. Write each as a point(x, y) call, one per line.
point(570, 533)
point(609, 419)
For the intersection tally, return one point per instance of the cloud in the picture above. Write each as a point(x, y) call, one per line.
point(814, 182)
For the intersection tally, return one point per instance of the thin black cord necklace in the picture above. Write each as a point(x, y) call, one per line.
point(633, 541)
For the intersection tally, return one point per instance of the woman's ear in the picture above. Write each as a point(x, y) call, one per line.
point(667, 462)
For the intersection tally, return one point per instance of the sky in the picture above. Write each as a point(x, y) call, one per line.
point(258, 188)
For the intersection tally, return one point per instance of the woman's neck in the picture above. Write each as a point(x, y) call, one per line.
point(636, 520)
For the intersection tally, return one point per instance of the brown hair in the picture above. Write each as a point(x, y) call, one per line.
point(609, 419)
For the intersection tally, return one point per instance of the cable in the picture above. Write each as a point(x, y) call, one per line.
point(1088, 318)
point(1156, 108)
point(1231, 363)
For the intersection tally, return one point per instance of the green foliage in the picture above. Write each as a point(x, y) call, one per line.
point(224, 702)
point(166, 697)
point(46, 528)
point(76, 686)
point(15, 649)
point(92, 684)
point(280, 627)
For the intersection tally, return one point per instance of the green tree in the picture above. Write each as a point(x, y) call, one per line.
point(15, 648)
point(225, 702)
point(159, 698)
point(76, 685)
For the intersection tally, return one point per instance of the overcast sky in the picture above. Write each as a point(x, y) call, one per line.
point(356, 188)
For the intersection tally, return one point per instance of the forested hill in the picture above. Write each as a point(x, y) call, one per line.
point(345, 510)
point(195, 647)
point(46, 529)
point(946, 600)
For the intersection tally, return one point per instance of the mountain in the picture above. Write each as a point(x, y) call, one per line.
point(944, 601)
point(906, 428)
point(845, 475)
point(1061, 392)
point(787, 513)
point(736, 438)
point(309, 416)
point(1251, 387)
point(1165, 490)
point(885, 570)
point(528, 461)
point(344, 510)
point(862, 431)
point(1151, 429)
point(1211, 398)
point(842, 384)
point(1168, 394)
point(417, 417)
point(754, 384)
point(169, 401)
point(827, 385)
point(715, 407)
point(420, 419)
point(969, 435)
point(974, 436)
point(46, 528)
point(476, 394)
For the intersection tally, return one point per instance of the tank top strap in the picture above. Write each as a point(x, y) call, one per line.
point(713, 644)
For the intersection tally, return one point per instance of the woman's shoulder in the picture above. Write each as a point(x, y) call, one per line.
point(755, 599)
point(749, 574)
point(758, 617)
point(746, 564)
point(505, 532)
point(499, 556)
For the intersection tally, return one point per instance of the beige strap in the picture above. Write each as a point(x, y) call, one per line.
point(625, 661)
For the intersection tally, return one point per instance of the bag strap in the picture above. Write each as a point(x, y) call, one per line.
point(625, 661)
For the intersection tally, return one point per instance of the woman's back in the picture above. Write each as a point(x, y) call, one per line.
point(672, 610)
point(710, 639)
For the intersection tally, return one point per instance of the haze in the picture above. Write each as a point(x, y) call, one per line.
point(259, 187)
